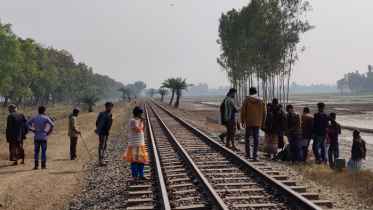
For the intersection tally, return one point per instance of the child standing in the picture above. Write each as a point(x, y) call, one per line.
point(136, 151)
point(333, 151)
point(358, 152)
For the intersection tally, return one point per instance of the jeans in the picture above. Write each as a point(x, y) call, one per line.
point(102, 146)
point(43, 145)
point(255, 131)
point(73, 142)
point(334, 148)
point(137, 169)
point(319, 141)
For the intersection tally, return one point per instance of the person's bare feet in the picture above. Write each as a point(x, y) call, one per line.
point(15, 163)
point(23, 162)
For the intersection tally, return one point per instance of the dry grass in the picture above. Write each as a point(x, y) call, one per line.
point(357, 183)
point(53, 188)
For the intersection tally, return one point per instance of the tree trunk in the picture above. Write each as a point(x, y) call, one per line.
point(6, 101)
point(19, 101)
point(42, 101)
point(172, 97)
point(37, 100)
point(177, 99)
point(47, 99)
point(90, 108)
point(162, 98)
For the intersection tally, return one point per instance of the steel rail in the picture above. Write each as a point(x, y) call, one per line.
point(299, 201)
point(164, 201)
point(217, 201)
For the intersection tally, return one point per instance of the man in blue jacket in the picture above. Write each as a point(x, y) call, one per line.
point(103, 125)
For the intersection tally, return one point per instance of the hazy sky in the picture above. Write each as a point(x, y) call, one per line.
point(131, 40)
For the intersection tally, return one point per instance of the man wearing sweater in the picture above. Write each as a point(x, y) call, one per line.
point(40, 122)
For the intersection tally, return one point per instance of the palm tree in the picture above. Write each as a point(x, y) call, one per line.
point(180, 85)
point(163, 92)
point(126, 91)
point(152, 92)
point(170, 84)
point(89, 100)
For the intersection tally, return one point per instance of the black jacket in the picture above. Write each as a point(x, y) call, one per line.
point(358, 150)
point(16, 129)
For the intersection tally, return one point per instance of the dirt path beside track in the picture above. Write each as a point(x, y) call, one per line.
point(24, 188)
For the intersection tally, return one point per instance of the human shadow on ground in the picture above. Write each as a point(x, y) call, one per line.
point(65, 172)
point(13, 172)
point(61, 159)
point(5, 166)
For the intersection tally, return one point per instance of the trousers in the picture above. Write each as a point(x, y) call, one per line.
point(137, 169)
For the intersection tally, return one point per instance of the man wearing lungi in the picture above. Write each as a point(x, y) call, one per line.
point(293, 131)
point(15, 134)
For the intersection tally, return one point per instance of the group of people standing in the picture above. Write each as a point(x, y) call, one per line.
point(298, 128)
point(18, 127)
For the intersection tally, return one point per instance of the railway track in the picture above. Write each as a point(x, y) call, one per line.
point(190, 170)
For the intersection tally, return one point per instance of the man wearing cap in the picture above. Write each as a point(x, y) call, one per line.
point(15, 134)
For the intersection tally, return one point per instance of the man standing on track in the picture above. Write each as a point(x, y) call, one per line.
point(15, 133)
point(253, 116)
point(293, 131)
point(103, 125)
point(307, 131)
point(230, 116)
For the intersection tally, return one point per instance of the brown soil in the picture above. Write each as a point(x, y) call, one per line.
point(24, 188)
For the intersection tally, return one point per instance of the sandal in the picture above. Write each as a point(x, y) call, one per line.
point(36, 168)
point(132, 179)
point(144, 178)
point(102, 164)
point(235, 149)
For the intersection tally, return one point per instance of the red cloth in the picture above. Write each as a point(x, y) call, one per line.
point(330, 132)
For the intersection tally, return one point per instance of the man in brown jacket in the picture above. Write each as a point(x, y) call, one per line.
point(307, 131)
point(253, 116)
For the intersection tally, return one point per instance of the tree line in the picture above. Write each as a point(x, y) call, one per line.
point(33, 74)
point(259, 45)
point(356, 82)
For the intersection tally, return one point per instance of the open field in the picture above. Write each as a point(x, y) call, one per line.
point(351, 187)
point(24, 188)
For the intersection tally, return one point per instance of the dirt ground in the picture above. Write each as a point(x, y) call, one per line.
point(24, 188)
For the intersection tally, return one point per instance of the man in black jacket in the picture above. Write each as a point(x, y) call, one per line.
point(15, 133)
point(103, 125)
